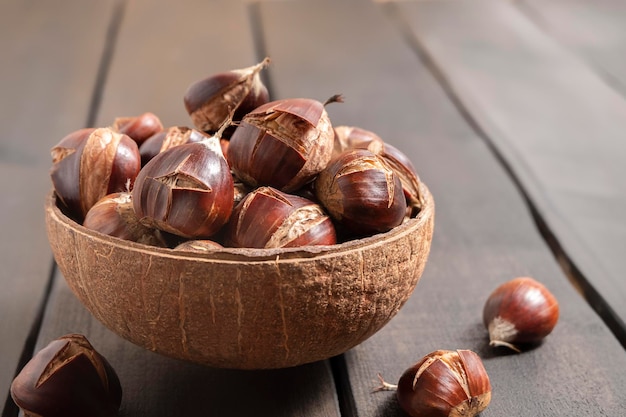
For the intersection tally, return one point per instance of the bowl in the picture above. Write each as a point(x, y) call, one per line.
point(243, 308)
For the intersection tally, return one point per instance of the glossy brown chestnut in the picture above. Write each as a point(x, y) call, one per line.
point(268, 218)
point(445, 383)
point(212, 101)
point(186, 190)
point(283, 144)
point(518, 312)
point(361, 193)
point(353, 137)
point(91, 163)
point(402, 166)
point(113, 215)
point(67, 378)
point(168, 138)
point(138, 128)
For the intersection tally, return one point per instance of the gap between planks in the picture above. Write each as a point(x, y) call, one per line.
point(10, 409)
point(566, 263)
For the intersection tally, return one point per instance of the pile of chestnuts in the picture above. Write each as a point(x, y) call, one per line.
point(250, 173)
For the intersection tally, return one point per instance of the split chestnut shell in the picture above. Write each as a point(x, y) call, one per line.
point(91, 163)
point(243, 308)
point(445, 383)
point(283, 144)
point(68, 378)
point(268, 218)
point(186, 190)
point(211, 101)
point(361, 193)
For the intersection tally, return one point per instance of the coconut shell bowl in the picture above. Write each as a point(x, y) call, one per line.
point(243, 308)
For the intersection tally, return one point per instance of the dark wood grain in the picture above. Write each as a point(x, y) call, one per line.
point(162, 48)
point(154, 385)
point(592, 29)
point(484, 234)
point(558, 125)
point(47, 76)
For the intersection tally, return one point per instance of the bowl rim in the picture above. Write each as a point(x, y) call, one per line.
point(250, 255)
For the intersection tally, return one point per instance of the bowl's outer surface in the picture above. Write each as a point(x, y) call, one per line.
point(245, 309)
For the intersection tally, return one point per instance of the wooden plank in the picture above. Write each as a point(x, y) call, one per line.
point(47, 76)
point(556, 123)
point(595, 30)
point(484, 234)
point(154, 385)
point(150, 71)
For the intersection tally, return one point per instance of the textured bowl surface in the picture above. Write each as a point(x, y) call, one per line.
point(243, 308)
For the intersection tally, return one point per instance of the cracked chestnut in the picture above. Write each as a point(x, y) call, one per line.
point(114, 215)
point(353, 137)
point(361, 193)
point(67, 378)
point(283, 144)
point(269, 218)
point(138, 128)
point(186, 190)
point(91, 163)
point(212, 101)
point(168, 138)
point(444, 383)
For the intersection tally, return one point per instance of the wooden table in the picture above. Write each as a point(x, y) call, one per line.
point(512, 111)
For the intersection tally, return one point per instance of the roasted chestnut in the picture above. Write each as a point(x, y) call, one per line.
point(138, 128)
point(67, 378)
point(91, 163)
point(445, 383)
point(283, 144)
point(168, 138)
point(114, 215)
point(186, 190)
point(353, 137)
point(361, 193)
point(269, 218)
point(225, 96)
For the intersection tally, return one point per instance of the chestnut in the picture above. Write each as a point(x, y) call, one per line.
point(91, 163)
point(212, 101)
point(283, 144)
point(519, 312)
point(114, 215)
point(168, 138)
point(269, 218)
point(138, 128)
point(444, 383)
point(186, 190)
point(402, 166)
point(353, 137)
point(361, 193)
point(67, 378)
